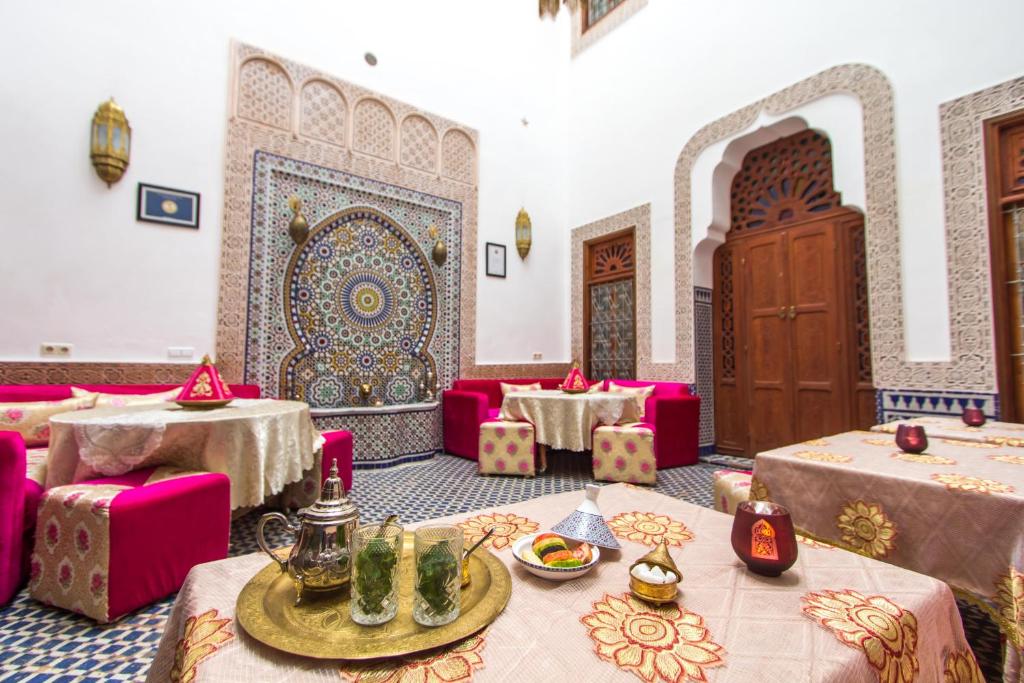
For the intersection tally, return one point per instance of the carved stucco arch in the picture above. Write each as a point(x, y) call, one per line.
point(971, 342)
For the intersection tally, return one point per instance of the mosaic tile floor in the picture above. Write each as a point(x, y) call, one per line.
point(45, 645)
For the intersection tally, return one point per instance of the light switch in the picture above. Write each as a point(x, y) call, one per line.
point(537, 355)
point(180, 351)
point(55, 349)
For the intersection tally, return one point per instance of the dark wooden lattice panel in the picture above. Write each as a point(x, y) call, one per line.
point(782, 182)
point(613, 258)
point(860, 303)
point(728, 331)
point(1012, 163)
point(596, 10)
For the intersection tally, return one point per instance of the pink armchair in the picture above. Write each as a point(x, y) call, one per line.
point(470, 403)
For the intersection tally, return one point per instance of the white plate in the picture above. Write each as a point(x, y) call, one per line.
point(552, 573)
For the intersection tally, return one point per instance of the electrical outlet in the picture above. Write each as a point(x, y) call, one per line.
point(537, 355)
point(180, 351)
point(55, 349)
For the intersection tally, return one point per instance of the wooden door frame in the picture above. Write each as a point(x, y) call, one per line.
point(1009, 403)
point(587, 282)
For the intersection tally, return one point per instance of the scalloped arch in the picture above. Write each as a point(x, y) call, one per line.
point(374, 128)
point(323, 111)
point(265, 93)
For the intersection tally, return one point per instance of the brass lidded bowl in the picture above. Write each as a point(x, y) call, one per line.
point(657, 593)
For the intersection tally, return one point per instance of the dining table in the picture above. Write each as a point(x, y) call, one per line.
point(566, 421)
point(262, 445)
point(834, 617)
point(954, 512)
point(1009, 434)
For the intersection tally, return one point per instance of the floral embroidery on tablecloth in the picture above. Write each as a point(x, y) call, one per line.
point(656, 643)
point(1012, 459)
point(866, 528)
point(1011, 441)
point(822, 456)
point(924, 458)
point(887, 443)
point(815, 442)
point(961, 667)
point(649, 528)
point(969, 444)
point(758, 489)
point(1010, 600)
point(885, 632)
point(202, 636)
point(813, 543)
point(507, 528)
point(451, 665)
point(962, 482)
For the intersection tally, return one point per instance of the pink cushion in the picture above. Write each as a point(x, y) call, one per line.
point(661, 389)
point(54, 392)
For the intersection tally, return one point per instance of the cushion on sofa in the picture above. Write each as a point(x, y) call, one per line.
point(507, 388)
point(105, 400)
point(32, 419)
point(640, 394)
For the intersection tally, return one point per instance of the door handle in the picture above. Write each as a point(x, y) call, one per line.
point(792, 312)
point(782, 313)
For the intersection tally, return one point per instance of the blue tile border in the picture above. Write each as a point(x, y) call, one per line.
point(901, 404)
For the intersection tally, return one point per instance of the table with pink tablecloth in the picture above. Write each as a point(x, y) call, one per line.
point(834, 617)
point(954, 512)
point(999, 433)
point(566, 421)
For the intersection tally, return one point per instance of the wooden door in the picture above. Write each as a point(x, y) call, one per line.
point(609, 307)
point(792, 345)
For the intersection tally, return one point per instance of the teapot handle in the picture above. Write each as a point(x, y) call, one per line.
point(273, 517)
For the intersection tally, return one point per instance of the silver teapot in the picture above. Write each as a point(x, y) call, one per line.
point(321, 559)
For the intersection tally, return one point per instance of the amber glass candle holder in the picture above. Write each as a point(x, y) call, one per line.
point(911, 438)
point(763, 537)
point(973, 417)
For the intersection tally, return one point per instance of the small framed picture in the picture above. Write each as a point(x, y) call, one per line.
point(495, 260)
point(168, 206)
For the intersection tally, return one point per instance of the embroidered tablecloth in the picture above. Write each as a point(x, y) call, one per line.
point(998, 433)
point(566, 421)
point(834, 617)
point(954, 512)
point(261, 444)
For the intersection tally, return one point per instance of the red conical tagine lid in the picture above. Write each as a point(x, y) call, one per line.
point(575, 381)
point(205, 385)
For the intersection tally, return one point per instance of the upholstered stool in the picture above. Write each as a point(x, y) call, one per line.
point(625, 453)
point(506, 448)
point(105, 547)
point(731, 487)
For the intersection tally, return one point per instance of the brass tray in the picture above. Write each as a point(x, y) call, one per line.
point(321, 626)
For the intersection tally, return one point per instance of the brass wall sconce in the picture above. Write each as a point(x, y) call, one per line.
point(298, 229)
point(111, 142)
point(524, 233)
point(440, 251)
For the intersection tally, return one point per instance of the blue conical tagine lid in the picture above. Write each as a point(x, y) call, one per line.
point(587, 524)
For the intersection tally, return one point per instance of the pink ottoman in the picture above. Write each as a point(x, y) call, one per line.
point(625, 453)
point(107, 546)
point(506, 448)
point(731, 487)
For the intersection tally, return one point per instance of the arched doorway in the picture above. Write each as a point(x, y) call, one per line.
point(792, 345)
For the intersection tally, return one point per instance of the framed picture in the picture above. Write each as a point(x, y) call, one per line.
point(168, 206)
point(495, 259)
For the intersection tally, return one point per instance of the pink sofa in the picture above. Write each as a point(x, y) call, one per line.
point(470, 403)
point(19, 495)
point(672, 411)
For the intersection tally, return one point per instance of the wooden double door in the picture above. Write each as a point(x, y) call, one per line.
point(791, 349)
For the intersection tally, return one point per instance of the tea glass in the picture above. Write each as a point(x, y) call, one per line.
point(438, 578)
point(973, 417)
point(377, 549)
point(911, 438)
point(763, 537)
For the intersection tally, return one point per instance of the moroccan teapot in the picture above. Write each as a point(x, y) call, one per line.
point(321, 559)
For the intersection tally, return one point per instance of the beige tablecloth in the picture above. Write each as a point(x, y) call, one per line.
point(815, 623)
point(262, 445)
point(566, 421)
point(998, 433)
point(955, 512)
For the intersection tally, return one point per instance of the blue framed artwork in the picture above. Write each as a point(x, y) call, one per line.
point(168, 206)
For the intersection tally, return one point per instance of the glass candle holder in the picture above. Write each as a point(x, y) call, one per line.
point(763, 537)
point(911, 438)
point(973, 417)
point(437, 595)
point(377, 549)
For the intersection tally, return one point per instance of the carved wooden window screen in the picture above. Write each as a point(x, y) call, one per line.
point(862, 320)
point(596, 10)
point(728, 336)
point(612, 258)
point(610, 307)
point(786, 181)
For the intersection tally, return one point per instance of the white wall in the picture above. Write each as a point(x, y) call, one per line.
point(641, 92)
point(76, 267)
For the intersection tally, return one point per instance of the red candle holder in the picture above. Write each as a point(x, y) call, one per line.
point(973, 417)
point(911, 438)
point(763, 537)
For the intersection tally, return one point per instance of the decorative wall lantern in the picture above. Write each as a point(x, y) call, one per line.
point(298, 229)
point(524, 233)
point(111, 142)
